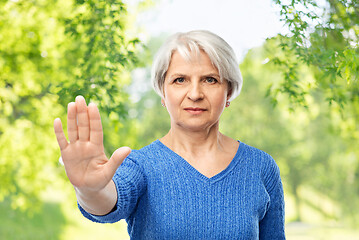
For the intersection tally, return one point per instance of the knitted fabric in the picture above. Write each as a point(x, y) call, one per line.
point(162, 196)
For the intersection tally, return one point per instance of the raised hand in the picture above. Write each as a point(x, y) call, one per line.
point(86, 164)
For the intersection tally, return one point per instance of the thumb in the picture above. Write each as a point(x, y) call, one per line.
point(117, 158)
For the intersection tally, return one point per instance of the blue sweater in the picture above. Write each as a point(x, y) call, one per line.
point(162, 196)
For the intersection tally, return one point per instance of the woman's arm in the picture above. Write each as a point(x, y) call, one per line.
point(272, 225)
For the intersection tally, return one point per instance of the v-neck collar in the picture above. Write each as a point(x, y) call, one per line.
point(186, 165)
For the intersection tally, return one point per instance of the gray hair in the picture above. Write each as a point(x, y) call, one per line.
point(219, 52)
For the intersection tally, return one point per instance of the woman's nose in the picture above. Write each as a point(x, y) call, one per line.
point(195, 92)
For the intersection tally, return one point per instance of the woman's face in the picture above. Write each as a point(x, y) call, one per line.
point(193, 94)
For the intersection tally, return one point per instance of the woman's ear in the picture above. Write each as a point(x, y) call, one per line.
point(163, 102)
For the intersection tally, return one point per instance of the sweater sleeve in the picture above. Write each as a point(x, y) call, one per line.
point(130, 184)
point(272, 225)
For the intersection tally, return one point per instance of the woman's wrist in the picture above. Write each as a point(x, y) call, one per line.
point(98, 202)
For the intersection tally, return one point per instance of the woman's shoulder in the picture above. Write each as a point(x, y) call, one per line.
point(257, 154)
point(148, 152)
point(262, 159)
point(255, 151)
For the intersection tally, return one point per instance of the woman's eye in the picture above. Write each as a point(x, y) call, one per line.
point(211, 80)
point(179, 80)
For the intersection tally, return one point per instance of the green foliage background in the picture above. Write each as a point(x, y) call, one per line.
point(300, 103)
point(52, 51)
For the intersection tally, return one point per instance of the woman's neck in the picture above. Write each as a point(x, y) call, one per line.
point(194, 142)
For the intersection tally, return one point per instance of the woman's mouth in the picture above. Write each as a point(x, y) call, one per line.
point(194, 110)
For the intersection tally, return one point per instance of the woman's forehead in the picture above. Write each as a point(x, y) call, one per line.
point(194, 59)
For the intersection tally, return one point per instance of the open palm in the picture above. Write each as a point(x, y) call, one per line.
point(86, 164)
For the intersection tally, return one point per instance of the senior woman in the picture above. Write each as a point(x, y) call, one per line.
point(194, 182)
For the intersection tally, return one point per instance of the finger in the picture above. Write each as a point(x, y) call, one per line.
point(116, 159)
point(96, 133)
point(83, 125)
point(60, 136)
point(71, 122)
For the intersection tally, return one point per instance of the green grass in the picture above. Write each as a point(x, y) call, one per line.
point(46, 224)
point(320, 219)
point(306, 231)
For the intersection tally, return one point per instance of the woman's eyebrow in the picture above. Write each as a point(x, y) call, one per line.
point(177, 75)
point(215, 75)
point(212, 75)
